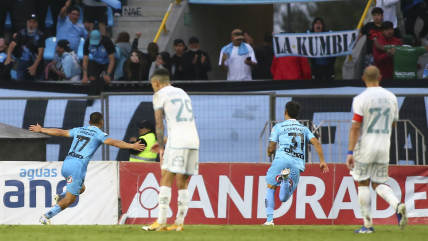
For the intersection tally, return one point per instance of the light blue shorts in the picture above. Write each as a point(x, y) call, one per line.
point(274, 177)
point(74, 171)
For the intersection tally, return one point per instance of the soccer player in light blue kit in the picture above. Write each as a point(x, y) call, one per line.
point(289, 161)
point(86, 141)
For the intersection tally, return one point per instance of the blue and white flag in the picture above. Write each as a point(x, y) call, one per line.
point(315, 45)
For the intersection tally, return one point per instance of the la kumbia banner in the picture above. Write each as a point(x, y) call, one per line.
point(315, 45)
point(234, 193)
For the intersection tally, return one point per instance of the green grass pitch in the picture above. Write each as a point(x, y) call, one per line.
point(208, 232)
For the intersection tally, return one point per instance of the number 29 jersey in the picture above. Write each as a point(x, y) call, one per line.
point(86, 141)
point(177, 106)
point(376, 108)
point(293, 138)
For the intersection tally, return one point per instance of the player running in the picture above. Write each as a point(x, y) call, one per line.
point(86, 141)
point(180, 157)
point(289, 158)
point(375, 113)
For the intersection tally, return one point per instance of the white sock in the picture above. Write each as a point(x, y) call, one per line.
point(388, 195)
point(164, 199)
point(183, 200)
point(365, 205)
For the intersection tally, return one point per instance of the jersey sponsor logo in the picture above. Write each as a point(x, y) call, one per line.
point(291, 182)
point(404, 73)
point(74, 154)
point(70, 179)
point(278, 178)
point(294, 154)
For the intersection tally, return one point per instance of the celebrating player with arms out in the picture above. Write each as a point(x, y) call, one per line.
point(86, 141)
point(375, 113)
point(180, 156)
point(289, 158)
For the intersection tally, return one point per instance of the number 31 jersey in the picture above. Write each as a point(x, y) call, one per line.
point(376, 108)
point(177, 107)
point(86, 141)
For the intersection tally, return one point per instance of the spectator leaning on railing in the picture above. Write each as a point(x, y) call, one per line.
point(405, 57)
point(69, 64)
point(321, 68)
point(68, 27)
point(28, 47)
point(195, 62)
point(384, 60)
point(237, 58)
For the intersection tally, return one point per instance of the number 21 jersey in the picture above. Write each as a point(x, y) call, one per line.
point(86, 141)
point(177, 106)
point(376, 108)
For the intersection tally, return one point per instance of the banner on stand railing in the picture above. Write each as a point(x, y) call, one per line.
point(314, 45)
point(27, 190)
point(234, 193)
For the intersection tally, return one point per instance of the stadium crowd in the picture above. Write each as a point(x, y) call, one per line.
point(103, 60)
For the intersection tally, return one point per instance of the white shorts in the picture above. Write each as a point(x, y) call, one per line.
point(376, 172)
point(183, 161)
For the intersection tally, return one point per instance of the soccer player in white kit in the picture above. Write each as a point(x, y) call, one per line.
point(375, 113)
point(179, 156)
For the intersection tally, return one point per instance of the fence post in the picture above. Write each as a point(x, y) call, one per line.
point(103, 147)
point(272, 106)
point(107, 125)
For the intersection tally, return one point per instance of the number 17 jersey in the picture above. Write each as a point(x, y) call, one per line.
point(180, 121)
point(86, 141)
point(376, 108)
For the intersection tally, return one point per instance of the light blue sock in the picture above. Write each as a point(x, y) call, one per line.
point(285, 191)
point(53, 211)
point(270, 203)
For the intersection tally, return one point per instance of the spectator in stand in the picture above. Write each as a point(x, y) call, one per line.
point(101, 70)
point(56, 7)
point(19, 15)
point(122, 42)
point(405, 57)
point(28, 47)
point(135, 67)
point(68, 28)
point(322, 68)
point(195, 62)
point(412, 9)
point(6, 6)
point(264, 56)
point(371, 30)
point(4, 69)
point(152, 49)
point(177, 70)
point(163, 61)
point(390, 14)
point(69, 64)
point(237, 58)
point(290, 68)
point(384, 60)
point(95, 11)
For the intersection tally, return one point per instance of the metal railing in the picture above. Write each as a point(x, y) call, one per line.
point(163, 24)
point(317, 130)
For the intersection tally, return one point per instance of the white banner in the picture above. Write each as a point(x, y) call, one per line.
point(315, 45)
point(28, 188)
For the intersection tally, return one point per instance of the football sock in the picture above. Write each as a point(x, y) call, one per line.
point(365, 205)
point(270, 203)
point(285, 191)
point(388, 195)
point(164, 199)
point(183, 200)
point(53, 211)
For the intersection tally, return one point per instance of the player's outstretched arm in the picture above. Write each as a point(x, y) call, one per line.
point(271, 148)
point(354, 134)
point(49, 131)
point(318, 148)
point(123, 145)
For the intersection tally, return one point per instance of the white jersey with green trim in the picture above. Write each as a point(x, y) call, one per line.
point(377, 109)
point(180, 120)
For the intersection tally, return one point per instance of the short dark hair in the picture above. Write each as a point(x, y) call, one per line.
point(293, 108)
point(74, 8)
point(386, 25)
point(377, 10)
point(96, 118)
point(162, 75)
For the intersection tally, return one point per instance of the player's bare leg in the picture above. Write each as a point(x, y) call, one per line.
point(388, 195)
point(183, 201)
point(164, 200)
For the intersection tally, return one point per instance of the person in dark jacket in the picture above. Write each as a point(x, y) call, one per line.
point(135, 67)
point(180, 48)
point(264, 56)
point(322, 68)
point(195, 63)
point(4, 69)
